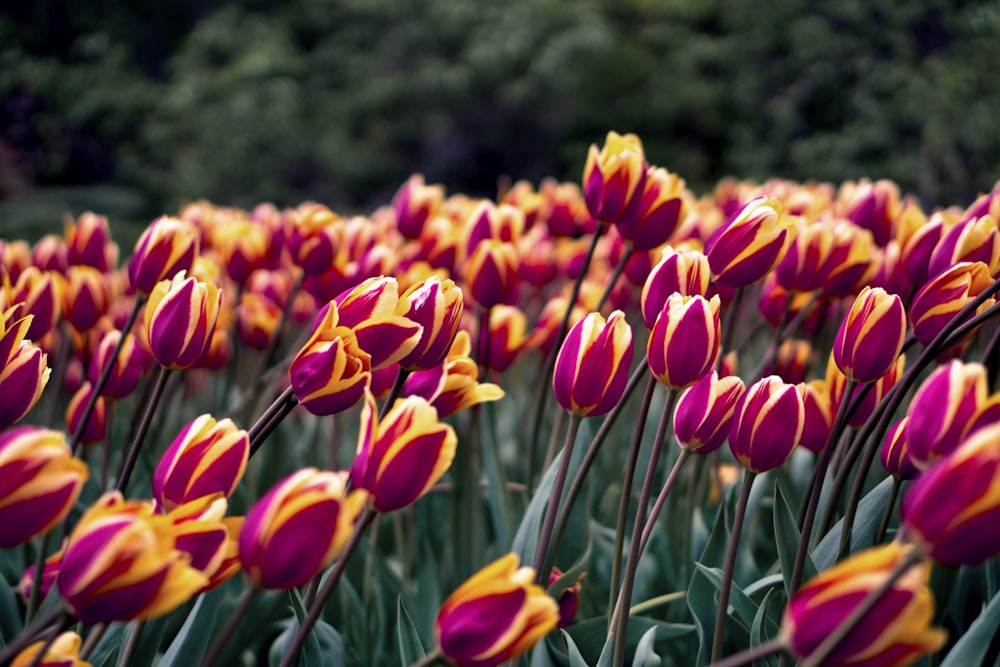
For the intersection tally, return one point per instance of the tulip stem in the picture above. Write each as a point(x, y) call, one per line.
point(816, 488)
point(36, 580)
point(147, 417)
point(232, 624)
point(839, 634)
point(92, 640)
point(54, 621)
point(751, 654)
point(619, 617)
point(728, 327)
point(428, 659)
point(590, 456)
point(132, 645)
point(661, 499)
point(631, 462)
point(887, 514)
point(619, 267)
point(395, 392)
point(483, 353)
point(730, 564)
point(274, 415)
point(550, 359)
point(106, 372)
point(542, 556)
point(298, 641)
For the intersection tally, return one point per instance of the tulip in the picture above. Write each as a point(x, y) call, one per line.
point(243, 246)
point(50, 572)
point(950, 511)
point(683, 272)
point(918, 245)
point(181, 317)
point(971, 240)
point(938, 301)
point(491, 273)
point(297, 528)
point(705, 410)
point(132, 363)
point(316, 235)
point(683, 346)
point(895, 453)
point(167, 247)
point(792, 361)
point(661, 208)
point(88, 242)
point(817, 416)
point(257, 319)
point(24, 371)
point(206, 457)
point(896, 631)
point(507, 336)
point(49, 254)
point(568, 215)
point(40, 480)
point(97, 424)
point(750, 244)
point(201, 533)
point(63, 652)
point(767, 424)
point(330, 372)
point(121, 563)
point(453, 385)
point(401, 455)
point(39, 295)
point(870, 336)
point(874, 206)
point(568, 598)
point(372, 310)
point(85, 297)
point(414, 204)
point(495, 616)
point(436, 305)
point(942, 410)
point(488, 221)
point(593, 364)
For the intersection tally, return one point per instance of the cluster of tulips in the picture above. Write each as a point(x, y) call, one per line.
point(407, 323)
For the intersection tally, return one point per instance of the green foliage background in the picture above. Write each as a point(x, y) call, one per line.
point(339, 100)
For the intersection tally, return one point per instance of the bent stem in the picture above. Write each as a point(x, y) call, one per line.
point(730, 565)
point(269, 420)
point(147, 417)
point(291, 657)
point(542, 556)
point(232, 624)
point(823, 651)
point(619, 617)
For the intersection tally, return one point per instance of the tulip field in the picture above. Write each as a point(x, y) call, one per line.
point(598, 423)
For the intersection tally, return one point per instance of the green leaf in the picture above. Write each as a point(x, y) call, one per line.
point(188, 646)
point(570, 576)
point(496, 496)
point(324, 645)
point(11, 622)
point(701, 602)
point(149, 640)
point(645, 656)
point(526, 538)
point(759, 621)
point(786, 537)
point(744, 609)
point(590, 635)
point(411, 648)
point(973, 646)
point(866, 524)
point(105, 654)
point(575, 658)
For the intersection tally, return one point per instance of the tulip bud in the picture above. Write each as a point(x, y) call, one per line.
point(257, 320)
point(88, 242)
point(937, 302)
point(40, 295)
point(436, 305)
point(121, 563)
point(750, 244)
point(50, 572)
point(85, 297)
point(683, 272)
point(896, 631)
point(49, 254)
point(792, 361)
point(683, 346)
point(568, 215)
point(918, 245)
point(705, 410)
point(942, 410)
point(167, 247)
point(488, 221)
point(837, 383)
point(495, 616)
point(971, 240)
point(614, 178)
point(950, 511)
point(40, 480)
point(132, 363)
point(874, 206)
point(895, 453)
point(660, 209)
point(871, 335)
point(24, 371)
point(292, 533)
point(97, 424)
point(200, 532)
point(243, 246)
point(316, 235)
point(331, 371)
point(206, 457)
point(414, 204)
point(593, 364)
point(507, 336)
point(181, 316)
point(568, 598)
point(767, 424)
point(491, 273)
point(403, 454)
point(452, 385)
point(817, 416)
point(63, 652)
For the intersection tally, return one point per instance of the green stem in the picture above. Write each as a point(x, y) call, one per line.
point(730, 565)
point(147, 417)
point(542, 556)
point(428, 659)
point(751, 654)
point(661, 499)
point(395, 392)
point(658, 601)
point(729, 326)
point(229, 629)
point(92, 640)
point(619, 617)
point(132, 645)
point(299, 640)
point(590, 456)
point(619, 267)
point(36, 579)
point(283, 405)
point(631, 463)
point(883, 527)
point(819, 656)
